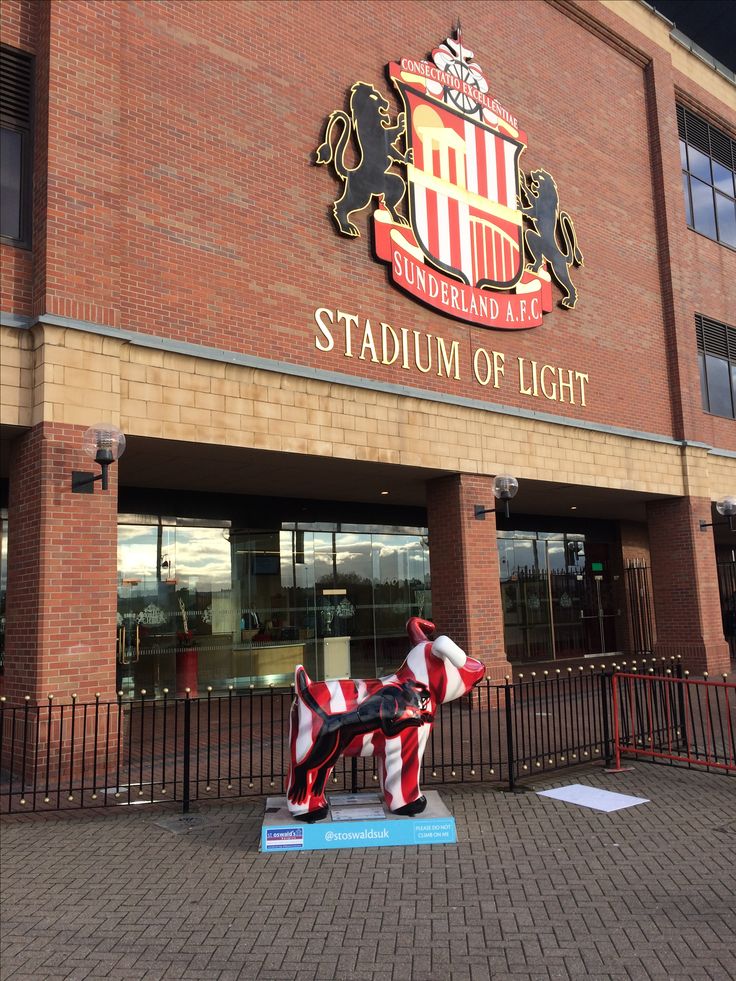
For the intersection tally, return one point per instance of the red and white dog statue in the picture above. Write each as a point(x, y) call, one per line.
point(390, 718)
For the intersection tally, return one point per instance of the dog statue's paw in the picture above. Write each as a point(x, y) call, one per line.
point(309, 817)
point(415, 807)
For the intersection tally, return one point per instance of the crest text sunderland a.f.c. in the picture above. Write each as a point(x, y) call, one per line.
point(463, 229)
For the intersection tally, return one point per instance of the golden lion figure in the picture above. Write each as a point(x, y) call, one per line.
point(369, 122)
point(540, 203)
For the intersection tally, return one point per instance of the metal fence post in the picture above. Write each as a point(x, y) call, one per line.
point(604, 693)
point(509, 734)
point(682, 726)
point(187, 753)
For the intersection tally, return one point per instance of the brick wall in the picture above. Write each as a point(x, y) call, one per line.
point(686, 597)
point(183, 200)
point(19, 28)
point(466, 600)
point(61, 601)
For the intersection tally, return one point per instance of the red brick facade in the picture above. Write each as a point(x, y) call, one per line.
point(140, 95)
point(465, 572)
point(60, 625)
point(176, 197)
point(685, 586)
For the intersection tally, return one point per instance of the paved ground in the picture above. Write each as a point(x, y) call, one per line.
point(535, 889)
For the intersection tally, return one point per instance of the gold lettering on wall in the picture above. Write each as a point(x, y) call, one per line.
point(426, 353)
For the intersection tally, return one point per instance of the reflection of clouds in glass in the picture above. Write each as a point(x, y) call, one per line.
point(348, 558)
point(200, 558)
point(199, 555)
point(137, 561)
point(401, 545)
point(203, 554)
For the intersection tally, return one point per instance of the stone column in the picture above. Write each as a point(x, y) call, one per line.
point(466, 593)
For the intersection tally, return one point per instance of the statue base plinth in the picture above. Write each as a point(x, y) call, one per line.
point(356, 821)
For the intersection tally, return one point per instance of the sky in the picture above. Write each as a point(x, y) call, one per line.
point(710, 23)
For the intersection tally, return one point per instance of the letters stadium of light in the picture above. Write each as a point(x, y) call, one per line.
point(462, 247)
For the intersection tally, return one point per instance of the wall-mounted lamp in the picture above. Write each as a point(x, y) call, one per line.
point(104, 444)
point(726, 507)
point(504, 488)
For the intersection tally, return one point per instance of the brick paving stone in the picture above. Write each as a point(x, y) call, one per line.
point(535, 890)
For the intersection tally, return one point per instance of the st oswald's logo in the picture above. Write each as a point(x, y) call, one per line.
point(463, 229)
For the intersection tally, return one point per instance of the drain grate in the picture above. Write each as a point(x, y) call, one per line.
point(183, 823)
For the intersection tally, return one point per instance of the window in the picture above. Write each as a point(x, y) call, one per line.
point(247, 606)
point(708, 159)
point(16, 155)
point(717, 357)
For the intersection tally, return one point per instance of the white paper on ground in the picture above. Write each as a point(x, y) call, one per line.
point(593, 797)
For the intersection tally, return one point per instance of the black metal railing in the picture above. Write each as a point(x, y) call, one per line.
point(640, 607)
point(144, 750)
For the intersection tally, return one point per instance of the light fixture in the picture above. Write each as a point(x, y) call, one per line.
point(105, 444)
point(504, 488)
point(727, 508)
point(384, 493)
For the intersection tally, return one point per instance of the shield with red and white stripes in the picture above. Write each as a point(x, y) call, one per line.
point(464, 193)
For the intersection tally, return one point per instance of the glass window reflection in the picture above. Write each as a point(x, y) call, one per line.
point(704, 219)
point(719, 385)
point(726, 215)
point(254, 604)
point(11, 182)
point(686, 195)
point(699, 164)
point(723, 179)
point(709, 186)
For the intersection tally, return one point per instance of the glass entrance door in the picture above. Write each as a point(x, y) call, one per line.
point(559, 597)
point(336, 601)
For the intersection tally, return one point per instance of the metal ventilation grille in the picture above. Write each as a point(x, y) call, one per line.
point(722, 149)
point(16, 73)
point(706, 138)
point(715, 338)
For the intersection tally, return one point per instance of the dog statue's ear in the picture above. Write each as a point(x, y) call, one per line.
point(419, 630)
point(448, 650)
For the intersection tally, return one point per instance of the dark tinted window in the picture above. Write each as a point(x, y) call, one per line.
point(16, 75)
point(11, 167)
point(718, 376)
point(717, 364)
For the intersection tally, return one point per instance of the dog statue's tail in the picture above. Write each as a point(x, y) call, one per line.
point(302, 682)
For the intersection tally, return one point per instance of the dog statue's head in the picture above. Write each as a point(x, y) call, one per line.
point(460, 673)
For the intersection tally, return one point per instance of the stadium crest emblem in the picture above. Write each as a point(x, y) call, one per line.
point(463, 229)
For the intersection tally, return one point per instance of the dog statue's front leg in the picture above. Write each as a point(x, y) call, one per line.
point(399, 771)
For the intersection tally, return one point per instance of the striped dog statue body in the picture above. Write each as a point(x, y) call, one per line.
point(390, 718)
